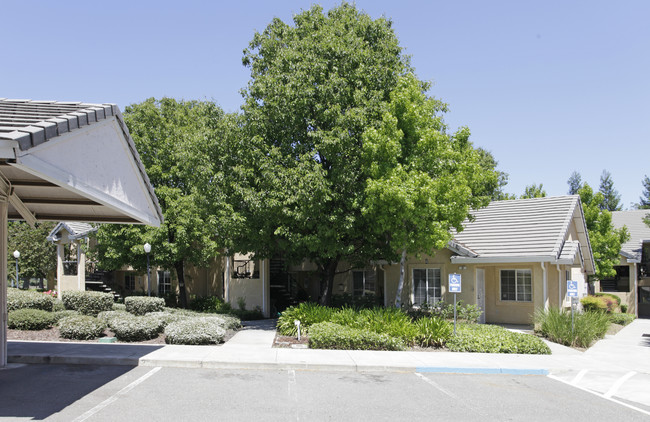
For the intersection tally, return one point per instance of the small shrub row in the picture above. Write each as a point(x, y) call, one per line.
point(327, 335)
point(28, 299)
point(210, 304)
point(621, 319)
point(307, 313)
point(136, 328)
point(433, 332)
point(30, 319)
point(200, 330)
point(481, 338)
point(87, 302)
point(81, 327)
point(141, 305)
point(588, 326)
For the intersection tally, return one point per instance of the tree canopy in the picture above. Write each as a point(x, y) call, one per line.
point(644, 199)
point(611, 197)
point(37, 254)
point(574, 182)
point(534, 191)
point(605, 239)
point(178, 144)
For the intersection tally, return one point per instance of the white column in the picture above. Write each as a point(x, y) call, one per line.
point(3, 280)
point(59, 267)
point(226, 280)
point(636, 290)
point(545, 286)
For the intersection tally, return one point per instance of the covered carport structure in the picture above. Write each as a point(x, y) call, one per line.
point(67, 161)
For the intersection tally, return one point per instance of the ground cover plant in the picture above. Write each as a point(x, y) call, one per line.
point(483, 338)
point(555, 325)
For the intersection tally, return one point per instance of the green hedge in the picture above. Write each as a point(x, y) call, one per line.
point(621, 319)
point(88, 302)
point(136, 328)
point(28, 299)
point(210, 304)
point(81, 327)
point(198, 331)
point(327, 335)
point(481, 338)
point(307, 313)
point(30, 319)
point(141, 305)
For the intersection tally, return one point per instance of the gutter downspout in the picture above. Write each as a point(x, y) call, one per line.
point(226, 290)
point(559, 287)
point(263, 262)
point(545, 286)
point(636, 292)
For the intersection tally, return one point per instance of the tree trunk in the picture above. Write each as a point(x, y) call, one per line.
point(182, 294)
point(328, 271)
point(400, 285)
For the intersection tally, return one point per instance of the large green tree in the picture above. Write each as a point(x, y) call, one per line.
point(315, 87)
point(37, 254)
point(605, 239)
point(421, 181)
point(611, 197)
point(177, 142)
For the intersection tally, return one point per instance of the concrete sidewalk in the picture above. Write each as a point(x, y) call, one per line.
point(251, 348)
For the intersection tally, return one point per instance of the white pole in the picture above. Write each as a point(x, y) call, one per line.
point(3, 280)
point(545, 286)
point(227, 280)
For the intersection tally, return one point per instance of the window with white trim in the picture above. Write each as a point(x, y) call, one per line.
point(363, 282)
point(517, 285)
point(164, 282)
point(426, 286)
point(129, 282)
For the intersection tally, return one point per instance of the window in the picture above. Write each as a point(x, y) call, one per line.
point(517, 285)
point(426, 286)
point(364, 282)
point(129, 282)
point(164, 283)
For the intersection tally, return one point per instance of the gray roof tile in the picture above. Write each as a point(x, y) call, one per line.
point(638, 230)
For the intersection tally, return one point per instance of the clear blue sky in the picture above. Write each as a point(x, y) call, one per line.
point(547, 86)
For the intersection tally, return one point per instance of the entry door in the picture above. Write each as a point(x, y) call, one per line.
point(480, 293)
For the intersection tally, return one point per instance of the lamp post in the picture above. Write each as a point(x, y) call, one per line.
point(147, 249)
point(16, 255)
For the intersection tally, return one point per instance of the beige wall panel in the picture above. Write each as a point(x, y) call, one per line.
point(248, 288)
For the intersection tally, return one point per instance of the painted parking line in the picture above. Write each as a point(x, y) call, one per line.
point(437, 386)
point(614, 388)
point(579, 377)
point(487, 371)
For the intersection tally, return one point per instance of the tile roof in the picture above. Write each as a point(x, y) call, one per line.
point(638, 230)
point(76, 230)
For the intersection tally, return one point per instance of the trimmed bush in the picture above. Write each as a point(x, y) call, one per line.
point(210, 304)
point(248, 314)
point(327, 335)
point(58, 315)
point(624, 309)
point(107, 317)
point(88, 302)
point(119, 306)
point(481, 338)
point(614, 297)
point(141, 305)
point(307, 313)
point(621, 319)
point(202, 330)
point(58, 305)
point(593, 303)
point(81, 327)
point(555, 325)
point(136, 328)
point(28, 299)
point(30, 319)
point(433, 331)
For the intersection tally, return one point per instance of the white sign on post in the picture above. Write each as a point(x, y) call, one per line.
point(454, 283)
point(571, 288)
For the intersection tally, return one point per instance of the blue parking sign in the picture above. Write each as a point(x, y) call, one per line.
point(454, 283)
point(571, 288)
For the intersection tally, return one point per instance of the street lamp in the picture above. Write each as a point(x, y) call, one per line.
point(147, 249)
point(16, 255)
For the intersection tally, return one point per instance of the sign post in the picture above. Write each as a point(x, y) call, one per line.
point(455, 288)
point(572, 292)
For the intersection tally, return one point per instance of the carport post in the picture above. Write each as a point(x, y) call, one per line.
point(3, 279)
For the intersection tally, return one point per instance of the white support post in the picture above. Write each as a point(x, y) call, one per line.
point(226, 289)
point(559, 287)
point(3, 279)
point(636, 290)
point(545, 279)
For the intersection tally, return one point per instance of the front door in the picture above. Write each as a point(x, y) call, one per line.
point(480, 293)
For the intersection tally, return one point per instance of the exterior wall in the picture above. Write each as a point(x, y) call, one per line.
point(204, 281)
point(499, 311)
point(70, 282)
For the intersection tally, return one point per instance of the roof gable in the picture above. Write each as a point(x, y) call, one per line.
point(75, 230)
point(639, 232)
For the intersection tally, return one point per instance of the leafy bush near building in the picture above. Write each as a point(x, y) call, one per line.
point(588, 326)
point(141, 305)
point(87, 302)
point(307, 313)
point(433, 332)
point(200, 330)
point(28, 299)
point(614, 297)
point(136, 328)
point(621, 319)
point(593, 303)
point(81, 327)
point(327, 335)
point(58, 315)
point(481, 338)
point(346, 300)
point(210, 304)
point(30, 319)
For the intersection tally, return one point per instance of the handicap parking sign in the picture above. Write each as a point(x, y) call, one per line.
point(572, 288)
point(454, 283)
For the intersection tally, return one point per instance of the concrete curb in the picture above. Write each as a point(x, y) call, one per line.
point(485, 371)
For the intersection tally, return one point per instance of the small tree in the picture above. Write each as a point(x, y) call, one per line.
point(37, 254)
point(644, 200)
point(611, 198)
point(534, 191)
point(574, 182)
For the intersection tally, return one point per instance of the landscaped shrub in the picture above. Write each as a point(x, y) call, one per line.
point(248, 314)
point(119, 306)
point(107, 317)
point(344, 300)
point(229, 322)
point(326, 335)
point(88, 302)
point(593, 303)
point(136, 328)
point(621, 319)
point(432, 331)
point(140, 305)
point(81, 327)
point(202, 330)
point(614, 297)
point(210, 304)
point(28, 299)
point(465, 313)
point(30, 319)
point(555, 325)
point(391, 321)
point(482, 338)
point(307, 313)
point(624, 309)
point(58, 315)
point(58, 305)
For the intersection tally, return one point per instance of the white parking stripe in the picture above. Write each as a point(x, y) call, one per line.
point(438, 387)
point(599, 395)
point(614, 388)
point(578, 377)
point(115, 396)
